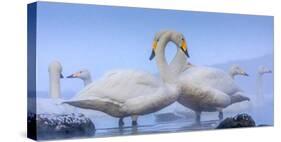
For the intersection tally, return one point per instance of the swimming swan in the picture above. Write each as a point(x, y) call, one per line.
point(124, 93)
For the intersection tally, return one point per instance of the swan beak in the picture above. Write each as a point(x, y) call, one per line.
point(184, 48)
point(154, 45)
point(70, 76)
point(75, 75)
point(152, 55)
point(246, 74)
point(153, 50)
point(61, 76)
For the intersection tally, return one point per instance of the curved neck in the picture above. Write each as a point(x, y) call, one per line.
point(179, 62)
point(161, 61)
point(168, 72)
point(54, 84)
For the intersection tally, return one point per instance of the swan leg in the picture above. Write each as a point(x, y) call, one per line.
point(220, 115)
point(134, 120)
point(121, 122)
point(198, 116)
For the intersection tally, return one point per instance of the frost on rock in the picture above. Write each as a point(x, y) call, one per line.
point(56, 126)
point(238, 121)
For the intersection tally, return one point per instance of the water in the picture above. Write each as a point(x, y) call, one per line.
point(177, 126)
point(148, 124)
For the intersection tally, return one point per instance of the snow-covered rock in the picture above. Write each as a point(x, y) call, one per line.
point(57, 126)
point(238, 121)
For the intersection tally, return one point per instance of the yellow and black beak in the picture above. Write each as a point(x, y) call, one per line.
point(153, 50)
point(184, 48)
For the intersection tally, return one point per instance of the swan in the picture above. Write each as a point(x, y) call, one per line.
point(208, 89)
point(237, 70)
point(261, 71)
point(124, 93)
point(204, 88)
point(55, 74)
point(47, 105)
point(83, 74)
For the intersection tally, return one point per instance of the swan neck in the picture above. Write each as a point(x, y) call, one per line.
point(179, 62)
point(232, 74)
point(87, 81)
point(161, 61)
point(259, 89)
point(54, 84)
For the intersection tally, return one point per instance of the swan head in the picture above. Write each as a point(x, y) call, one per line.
point(83, 74)
point(263, 70)
point(237, 70)
point(175, 37)
point(55, 68)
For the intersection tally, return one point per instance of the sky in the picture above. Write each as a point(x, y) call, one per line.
point(103, 38)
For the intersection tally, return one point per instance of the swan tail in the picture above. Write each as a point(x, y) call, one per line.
point(239, 98)
point(106, 106)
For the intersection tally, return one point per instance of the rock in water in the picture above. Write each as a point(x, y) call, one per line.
point(58, 126)
point(240, 120)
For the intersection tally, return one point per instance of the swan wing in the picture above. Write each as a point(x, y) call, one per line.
point(213, 77)
point(198, 97)
point(121, 85)
point(129, 91)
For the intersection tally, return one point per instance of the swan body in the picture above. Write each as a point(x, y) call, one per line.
point(208, 89)
point(126, 92)
point(123, 93)
point(209, 76)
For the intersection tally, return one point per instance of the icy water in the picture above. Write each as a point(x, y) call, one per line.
point(108, 126)
point(176, 126)
point(148, 124)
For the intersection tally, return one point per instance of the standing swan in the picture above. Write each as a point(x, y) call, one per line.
point(261, 71)
point(84, 74)
point(236, 70)
point(55, 74)
point(47, 105)
point(203, 88)
point(133, 93)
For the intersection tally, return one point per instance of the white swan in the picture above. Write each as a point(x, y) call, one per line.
point(84, 75)
point(47, 105)
point(236, 70)
point(204, 88)
point(133, 93)
point(55, 74)
point(261, 71)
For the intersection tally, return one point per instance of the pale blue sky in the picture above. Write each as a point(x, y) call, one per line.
point(102, 38)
